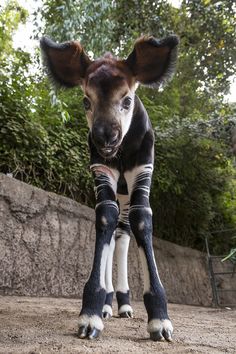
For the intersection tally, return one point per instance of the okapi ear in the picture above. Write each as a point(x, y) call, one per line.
point(153, 61)
point(66, 63)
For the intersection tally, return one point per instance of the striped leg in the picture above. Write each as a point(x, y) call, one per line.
point(122, 246)
point(90, 319)
point(107, 308)
point(140, 217)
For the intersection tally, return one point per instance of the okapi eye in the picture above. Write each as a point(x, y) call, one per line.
point(87, 104)
point(126, 102)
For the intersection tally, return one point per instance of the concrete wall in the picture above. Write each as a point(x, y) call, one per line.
point(47, 245)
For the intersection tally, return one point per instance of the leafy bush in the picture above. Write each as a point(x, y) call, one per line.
point(52, 158)
point(36, 146)
point(193, 189)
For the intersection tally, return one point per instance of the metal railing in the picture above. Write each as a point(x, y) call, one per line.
point(214, 275)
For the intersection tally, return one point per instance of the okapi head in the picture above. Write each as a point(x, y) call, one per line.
point(109, 83)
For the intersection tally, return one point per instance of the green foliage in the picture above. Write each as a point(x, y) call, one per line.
point(36, 145)
point(209, 30)
point(10, 17)
point(207, 43)
point(69, 20)
point(51, 158)
point(193, 189)
point(51, 155)
point(231, 256)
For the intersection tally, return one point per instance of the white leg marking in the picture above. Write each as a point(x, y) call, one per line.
point(111, 173)
point(103, 263)
point(159, 325)
point(93, 321)
point(156, 268)
point(108, 273)
point(141, 225)
point(146, 275)
point(122, 247)
point(104, 220)
point(125, 308)
point(136, 174)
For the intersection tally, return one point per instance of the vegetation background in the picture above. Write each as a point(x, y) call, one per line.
point(43, 133)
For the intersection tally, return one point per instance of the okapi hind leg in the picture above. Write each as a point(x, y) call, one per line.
point(122, 291)
point(122, 246)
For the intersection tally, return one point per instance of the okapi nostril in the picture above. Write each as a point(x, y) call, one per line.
point(114, 138)
point(98, 134)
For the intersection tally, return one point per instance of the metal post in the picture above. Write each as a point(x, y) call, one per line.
point(211, 275)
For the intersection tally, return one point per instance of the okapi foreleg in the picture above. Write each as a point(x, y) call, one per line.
point(140, 217)
point(107, 308)
point(90, 319)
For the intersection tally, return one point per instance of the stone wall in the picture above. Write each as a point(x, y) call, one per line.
point(47, 245)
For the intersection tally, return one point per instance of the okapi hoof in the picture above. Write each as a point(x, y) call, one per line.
point(106, 315)
point(82, 332)
point(161, 336)
point(90, 327)
point(107, 312)
point(125, 311)
point(160, 330)
point(126, 314)
point(87, 332)
point(94, 333)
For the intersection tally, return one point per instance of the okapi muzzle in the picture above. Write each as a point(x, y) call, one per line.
point(121, 143)
point(106, 136)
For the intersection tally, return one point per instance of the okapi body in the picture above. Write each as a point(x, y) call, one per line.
point(121, 143)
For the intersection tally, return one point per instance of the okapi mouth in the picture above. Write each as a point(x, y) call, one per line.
point(108, 152)
point(107, 142)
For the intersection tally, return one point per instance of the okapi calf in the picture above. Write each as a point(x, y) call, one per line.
point(121, 142)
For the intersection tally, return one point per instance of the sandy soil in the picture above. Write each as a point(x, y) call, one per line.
point(48, 325)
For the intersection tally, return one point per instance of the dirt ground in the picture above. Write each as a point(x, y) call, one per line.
point(48, 325)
